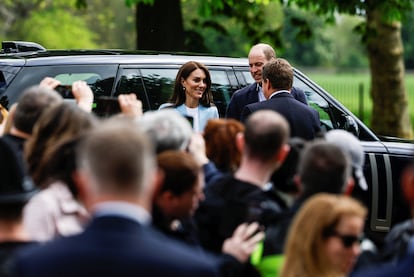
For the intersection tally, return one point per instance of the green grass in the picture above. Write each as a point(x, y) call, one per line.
point(346, 88)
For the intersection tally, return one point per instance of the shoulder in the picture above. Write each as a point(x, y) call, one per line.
point(257, 105)
point(166, 105)
point(210, 111)
point(252, 88)
point(46, 199)
point(144, 250)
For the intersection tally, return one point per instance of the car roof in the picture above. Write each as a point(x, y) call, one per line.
point(69, 57)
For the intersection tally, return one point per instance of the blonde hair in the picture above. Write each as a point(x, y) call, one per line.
point(3, 113)
point(304, 249)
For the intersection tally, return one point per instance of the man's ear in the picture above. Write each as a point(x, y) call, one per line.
point(240, 141)
point(407, 184)
point(83, 185)
point(298, 183)
point(282, 153)
point(157, 182)
point(349, 186)
point(266, 86)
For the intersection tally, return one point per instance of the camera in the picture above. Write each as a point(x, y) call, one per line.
point(65, 91)
point(106, 106)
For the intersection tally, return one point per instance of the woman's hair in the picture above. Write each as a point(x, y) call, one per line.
point(58, 126)
point(304, 248)
point(180, 170)
point(220, 137)
point(178, 97)
point(3, 113)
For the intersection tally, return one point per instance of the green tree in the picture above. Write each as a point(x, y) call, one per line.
point(54, 24)
point(112, 22)
point(309, 45)
point(408, 38)
point(160, 22)
point(382, 33)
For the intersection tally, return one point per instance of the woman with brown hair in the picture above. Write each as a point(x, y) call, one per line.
point(50, 156)
point(192, 95)
point(324, 239)
point(220, 137)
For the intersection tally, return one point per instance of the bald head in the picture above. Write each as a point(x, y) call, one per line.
point(265, 133)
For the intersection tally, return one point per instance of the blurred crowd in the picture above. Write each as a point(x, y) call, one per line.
point(181, 192)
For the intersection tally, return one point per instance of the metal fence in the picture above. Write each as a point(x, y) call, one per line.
point(354, 96)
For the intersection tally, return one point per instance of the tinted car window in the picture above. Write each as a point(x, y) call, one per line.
point(155, 86)
point(159, 84)
point(99, 77)
point(317, 103)
point(7, 73)
point(221, 89)
point(130, 81)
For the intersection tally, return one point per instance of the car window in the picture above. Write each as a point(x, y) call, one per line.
point(248, 77)
point(99, 77)
point(221, 89)
point(317, 103)
point(69, 78)
point(333, 115)
point(7, 73)
point(159, 84)
point(155, 86)
point(130, 81)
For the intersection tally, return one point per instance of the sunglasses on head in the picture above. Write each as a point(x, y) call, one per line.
point(347, 240)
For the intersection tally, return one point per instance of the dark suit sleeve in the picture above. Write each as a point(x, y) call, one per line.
point(317, 124)
point(299, 95)
point(232, 108)
point(246, 112)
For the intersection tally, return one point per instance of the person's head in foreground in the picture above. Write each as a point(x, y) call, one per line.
point(324, 239)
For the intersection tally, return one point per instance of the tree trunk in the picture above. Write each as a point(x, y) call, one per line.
point(390, 114)
point(160, 26)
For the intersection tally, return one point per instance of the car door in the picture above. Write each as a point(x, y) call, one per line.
point(384, 161)
point(154, 85)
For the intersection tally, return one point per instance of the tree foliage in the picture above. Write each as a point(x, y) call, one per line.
point(381, 31)
point(46, 22)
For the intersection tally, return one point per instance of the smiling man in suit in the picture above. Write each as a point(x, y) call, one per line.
point(259, 55)
point(116, 180)
point(277, 84)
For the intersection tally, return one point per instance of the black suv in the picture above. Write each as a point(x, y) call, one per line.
point(151, 76)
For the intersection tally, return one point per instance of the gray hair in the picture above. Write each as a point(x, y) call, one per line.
point(167, 128)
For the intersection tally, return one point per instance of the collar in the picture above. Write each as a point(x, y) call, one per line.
point(122, 209)
point(278, 92)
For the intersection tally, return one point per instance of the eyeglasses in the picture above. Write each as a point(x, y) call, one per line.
point(348, 240)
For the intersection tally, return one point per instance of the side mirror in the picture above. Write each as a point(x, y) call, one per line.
point(351, 125)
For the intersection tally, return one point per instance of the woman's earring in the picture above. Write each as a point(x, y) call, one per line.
point(183, 88)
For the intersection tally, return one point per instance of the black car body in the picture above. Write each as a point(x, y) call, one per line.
point(151, 76)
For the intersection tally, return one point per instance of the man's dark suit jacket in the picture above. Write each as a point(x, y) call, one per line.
point(115, 246)
point(405, 268)
point(249, 95)
point(303, 120)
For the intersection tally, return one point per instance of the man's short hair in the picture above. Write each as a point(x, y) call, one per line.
point(324, 167)
point(118, 155)
point(267, 50)
point(279, 73)
point(265, 132)
point(30, 106)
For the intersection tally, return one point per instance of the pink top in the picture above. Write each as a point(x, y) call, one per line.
point(53, 212)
